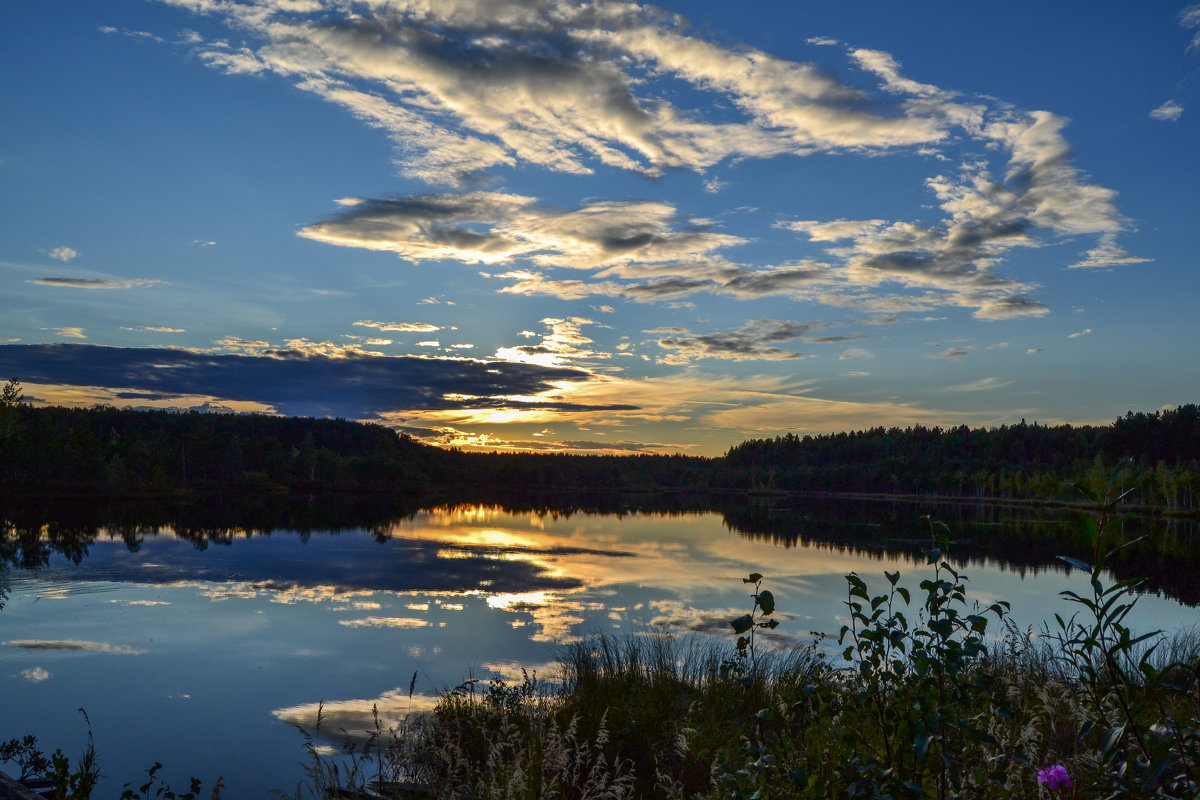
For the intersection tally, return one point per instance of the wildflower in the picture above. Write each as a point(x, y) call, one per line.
point(1055, 777)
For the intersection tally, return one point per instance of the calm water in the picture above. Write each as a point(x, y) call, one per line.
point(204, 649)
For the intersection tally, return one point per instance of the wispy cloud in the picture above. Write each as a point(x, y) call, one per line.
point(951, 353)
point(1107, 254)
point(400, 327)
point(63, 253)
point(1189, 17)
point(981, 385)
point(385, 622)
point(496, 228)
point(70, 332)
point(1078, 334)
point(76, 645)
point(756, 340)
point(97, 283)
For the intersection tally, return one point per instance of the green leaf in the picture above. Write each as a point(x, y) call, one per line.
point(1111, 738)
point(755, 577)
point(891, 576)
point(742, 623)
point(766, 601)
point(1076, 563)
point(921, 746)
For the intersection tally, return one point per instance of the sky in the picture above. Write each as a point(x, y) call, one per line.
point(605, 227)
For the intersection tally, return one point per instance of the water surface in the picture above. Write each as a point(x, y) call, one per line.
point(202, 646)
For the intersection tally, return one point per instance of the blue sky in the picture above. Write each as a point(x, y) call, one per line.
point(604, 228)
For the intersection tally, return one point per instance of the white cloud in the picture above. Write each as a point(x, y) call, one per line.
point(385, 622)
point(1107, 253)
point(401, 327)
point(64, 253)
point(1190, 18)
point(35, 675)
point(1168, 111)
point(70, 333)
point(1078, 334)
point(563, 343)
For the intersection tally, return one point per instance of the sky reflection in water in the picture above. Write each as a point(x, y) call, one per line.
point(204, 658)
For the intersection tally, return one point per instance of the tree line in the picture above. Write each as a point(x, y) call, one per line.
point(119, 451)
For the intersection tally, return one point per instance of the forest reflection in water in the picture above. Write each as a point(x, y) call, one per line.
point(226, 621)
point(1026, 540)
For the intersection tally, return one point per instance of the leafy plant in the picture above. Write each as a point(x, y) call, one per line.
point(1145, 714)
point(748, 625)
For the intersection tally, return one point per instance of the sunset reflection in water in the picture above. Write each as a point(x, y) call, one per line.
point(223, 642)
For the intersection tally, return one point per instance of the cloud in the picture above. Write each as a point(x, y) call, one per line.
point(951, 353)
point(75, 645)
point(299, 382)
point(153, 329)
point(981, 385)
point(355, 720)
point(1078, 334)
point(70, 333)
point(97, 283)
point(495, 228)
point(563, 343)
point(401, 327)
point(449, 436)
point(1167, 112)
point(1033, 350)
point(1189, 17)
point(132, 34)
point(756, 340)
point(63, 253)
point(35, 675)
point(385, 622)
point(465, 88)
point(1107, 254)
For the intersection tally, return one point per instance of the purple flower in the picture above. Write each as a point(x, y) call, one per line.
point(1055, 777)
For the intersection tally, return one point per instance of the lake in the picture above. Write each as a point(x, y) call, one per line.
point(201, 643)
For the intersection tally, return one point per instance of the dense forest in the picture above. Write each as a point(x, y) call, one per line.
point(124, 452)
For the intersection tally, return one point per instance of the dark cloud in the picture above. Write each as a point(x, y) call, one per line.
point(667, 288)
point(754, 283)
point(754, 340)
point(355, 387)
point(832, 339)
point(96, 283)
